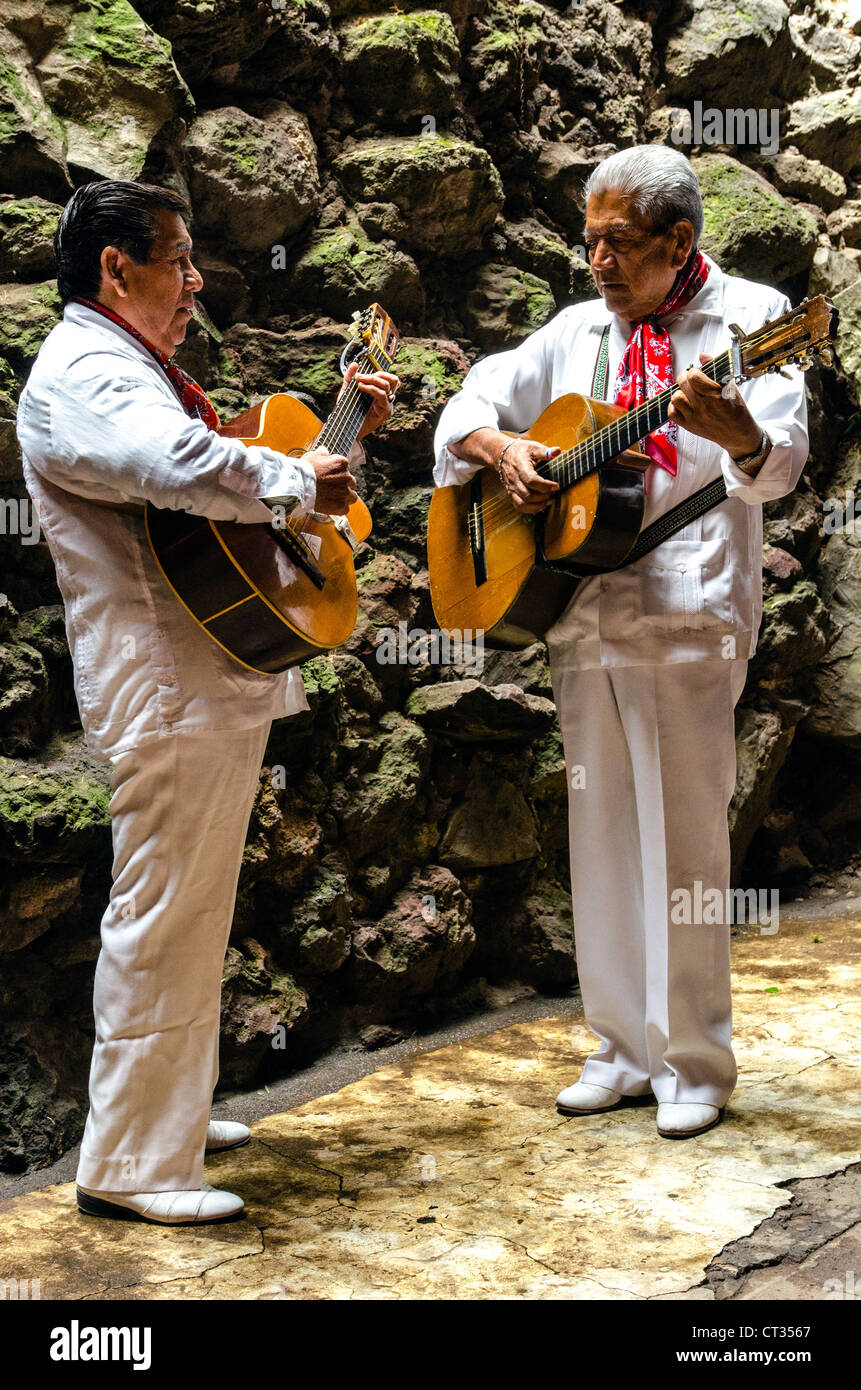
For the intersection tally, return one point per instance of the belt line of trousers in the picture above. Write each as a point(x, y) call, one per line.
point(656, 745)
point(180, 807)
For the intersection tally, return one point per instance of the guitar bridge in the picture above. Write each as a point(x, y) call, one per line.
point(476, 530)
point(299, 552)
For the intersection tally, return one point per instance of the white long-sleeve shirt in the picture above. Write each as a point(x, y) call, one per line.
point(99, 421)
point(699, 594)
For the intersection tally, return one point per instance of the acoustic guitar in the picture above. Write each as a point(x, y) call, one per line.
point(273, 594)
point(510, 575)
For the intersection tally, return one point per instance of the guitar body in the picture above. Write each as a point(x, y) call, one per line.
point(490, 566)
point(244, 584)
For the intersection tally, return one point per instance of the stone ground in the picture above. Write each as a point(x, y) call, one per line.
point(447, 1173)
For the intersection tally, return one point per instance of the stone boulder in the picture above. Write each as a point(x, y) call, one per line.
point(35, 902)
point(262, 1008)
point(396, 67)
point(113, 84)
point(316, 933)
point(27, 227)
point(827, 127)
point(36, 693)
point(844, 224)
point(419, 945)
point(830, 54)
point(849, 331)
point(55, 811)
point(503, 305)
point(560, 172)
point(835, 713)
point(447, 191)
point(762, 743)
point(387, 602)
point(534, 248)
point(260, 361)
point(533, 940)
point(430, 370)
point(467, 710)
point(833, 271)
point(379, 805)
point(492, 826)
point(795, 634)
point(528, 668)
point(712, 50)
point(32, 138)
point(796, 176)
point(27, 315)
point(749, 228)
point(342, 269)
point(253, 178)
point(207, 36)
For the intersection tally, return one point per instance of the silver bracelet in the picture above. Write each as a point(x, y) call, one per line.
point(757, 457)
point(499, 462)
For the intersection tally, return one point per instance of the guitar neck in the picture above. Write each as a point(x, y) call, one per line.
point(340, 431)
point(625, 431)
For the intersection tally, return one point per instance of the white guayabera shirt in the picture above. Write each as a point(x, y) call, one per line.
point(698, 596)
point(99, 421)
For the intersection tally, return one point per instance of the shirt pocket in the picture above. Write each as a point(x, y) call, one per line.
point(685, 587)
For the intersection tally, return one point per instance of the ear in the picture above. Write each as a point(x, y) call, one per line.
point(113, 263)
point(684, 234)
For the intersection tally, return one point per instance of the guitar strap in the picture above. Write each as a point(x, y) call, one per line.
point(699, 502)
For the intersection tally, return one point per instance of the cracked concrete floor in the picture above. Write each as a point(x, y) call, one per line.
point(450, 1174)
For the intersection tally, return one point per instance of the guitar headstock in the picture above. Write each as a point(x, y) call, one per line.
point(374, 330)
point(797, 336)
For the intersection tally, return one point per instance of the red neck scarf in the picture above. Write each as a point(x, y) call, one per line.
point(193, 398)
point(646, 368)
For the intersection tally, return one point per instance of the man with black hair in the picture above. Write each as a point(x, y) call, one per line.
point(106, 423)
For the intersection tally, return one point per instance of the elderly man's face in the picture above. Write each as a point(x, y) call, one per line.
point(157, 298)
point(633, 268)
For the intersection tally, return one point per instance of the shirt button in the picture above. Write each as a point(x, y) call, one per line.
point(683, 569)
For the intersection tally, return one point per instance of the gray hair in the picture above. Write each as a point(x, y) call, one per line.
point(660, 182)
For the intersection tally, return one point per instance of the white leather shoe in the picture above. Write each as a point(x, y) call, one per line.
point(682, 1121)
point(187, 1208)
point(583, 1098)
point(225, 1134)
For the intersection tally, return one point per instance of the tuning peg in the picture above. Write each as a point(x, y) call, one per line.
point(827, 356)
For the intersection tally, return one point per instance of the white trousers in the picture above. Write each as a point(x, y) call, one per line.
point(650, 755)
point(180, 807)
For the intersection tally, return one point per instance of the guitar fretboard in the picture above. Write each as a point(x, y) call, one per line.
point(590, 454)
point(338, 435)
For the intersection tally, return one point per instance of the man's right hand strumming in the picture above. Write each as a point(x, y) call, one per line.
point(336, 486)
point(528, 490)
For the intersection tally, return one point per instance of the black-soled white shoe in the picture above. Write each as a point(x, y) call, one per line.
point(584, 1098)
point(192, 1207)
point(225, 1134)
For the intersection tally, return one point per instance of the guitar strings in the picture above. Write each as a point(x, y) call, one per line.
point(344, 421)
point(585, 457)
point(582, 450)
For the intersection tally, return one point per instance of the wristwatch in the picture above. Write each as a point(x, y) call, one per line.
point(751, 463)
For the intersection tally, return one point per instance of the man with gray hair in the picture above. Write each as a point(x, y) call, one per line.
point(649, 661)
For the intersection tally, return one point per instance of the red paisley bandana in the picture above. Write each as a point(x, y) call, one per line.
point(646, 368)
point(193, 398)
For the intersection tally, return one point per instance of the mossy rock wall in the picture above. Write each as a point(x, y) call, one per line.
point(407, 854)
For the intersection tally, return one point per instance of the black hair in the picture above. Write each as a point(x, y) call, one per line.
point(111, 212)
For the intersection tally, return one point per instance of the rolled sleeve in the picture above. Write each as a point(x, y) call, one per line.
point(506, 391)
point(781, 410)
point(124, 435)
